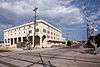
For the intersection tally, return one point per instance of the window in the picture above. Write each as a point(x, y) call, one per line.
point(36, 24)
point(15, 40)
point(36, 30)
point(54, 33)
point(11, 30)
point(19, 28)
point(48, 32)
point(30, 31)
point(58, 38)
point(11, 41)
point(51, 37)
point(29, 26)
point(8, 40)
point(24, 27)
point(48, 36)
point(5, 41)
point(15, 29)
point(51, 32)
point(44, 30)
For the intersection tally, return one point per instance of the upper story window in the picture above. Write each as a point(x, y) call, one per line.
point(11, 34)
point(44, 30)
point(29, 26)
point(24, 31)
point(5, 41)
point(30, 31)
point(51, 32)
point(48, 36)
point(36, 24)
point(48, 32)
point(54, 33)
point(51, 37)
point(19, 28)
point(11, 30)
point(8, 40)
point(36, 30)
point(15, 29)
point(24, 27)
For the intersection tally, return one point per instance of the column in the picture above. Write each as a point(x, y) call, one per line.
point(41, 43)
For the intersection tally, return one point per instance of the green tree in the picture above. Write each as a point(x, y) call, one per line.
point(69, 43)
point(97, 40)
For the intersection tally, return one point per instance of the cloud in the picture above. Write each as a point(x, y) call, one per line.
point(15, 12)
point(46, 8)
point(19, 7)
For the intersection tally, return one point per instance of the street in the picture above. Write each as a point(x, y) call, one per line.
point(49, 57)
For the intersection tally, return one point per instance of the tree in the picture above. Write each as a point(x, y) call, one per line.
point(69, 43)
point(90, 39)
point(97, 40)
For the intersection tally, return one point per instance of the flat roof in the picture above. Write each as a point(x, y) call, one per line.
point(38, 21)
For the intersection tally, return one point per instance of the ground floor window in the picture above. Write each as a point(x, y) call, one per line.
point(30, 38)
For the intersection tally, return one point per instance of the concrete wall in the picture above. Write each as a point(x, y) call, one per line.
point(44, 29)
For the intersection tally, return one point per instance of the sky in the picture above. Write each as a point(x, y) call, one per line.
point(67, 15)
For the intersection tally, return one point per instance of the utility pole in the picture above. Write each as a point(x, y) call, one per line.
point(35, 18)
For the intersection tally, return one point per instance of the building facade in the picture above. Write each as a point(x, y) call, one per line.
point(46, 35)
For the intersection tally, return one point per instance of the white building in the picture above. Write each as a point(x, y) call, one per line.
point(46, 35)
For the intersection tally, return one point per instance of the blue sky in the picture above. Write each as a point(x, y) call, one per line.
point(64, 14)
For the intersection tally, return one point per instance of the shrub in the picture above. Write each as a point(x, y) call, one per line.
point(69, 43)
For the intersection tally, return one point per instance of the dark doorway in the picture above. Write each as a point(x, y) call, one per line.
point(24, 39)
point(19, 39)
point(11, 41)
point(15, 40)
point(36, 40)
point(43, 37)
